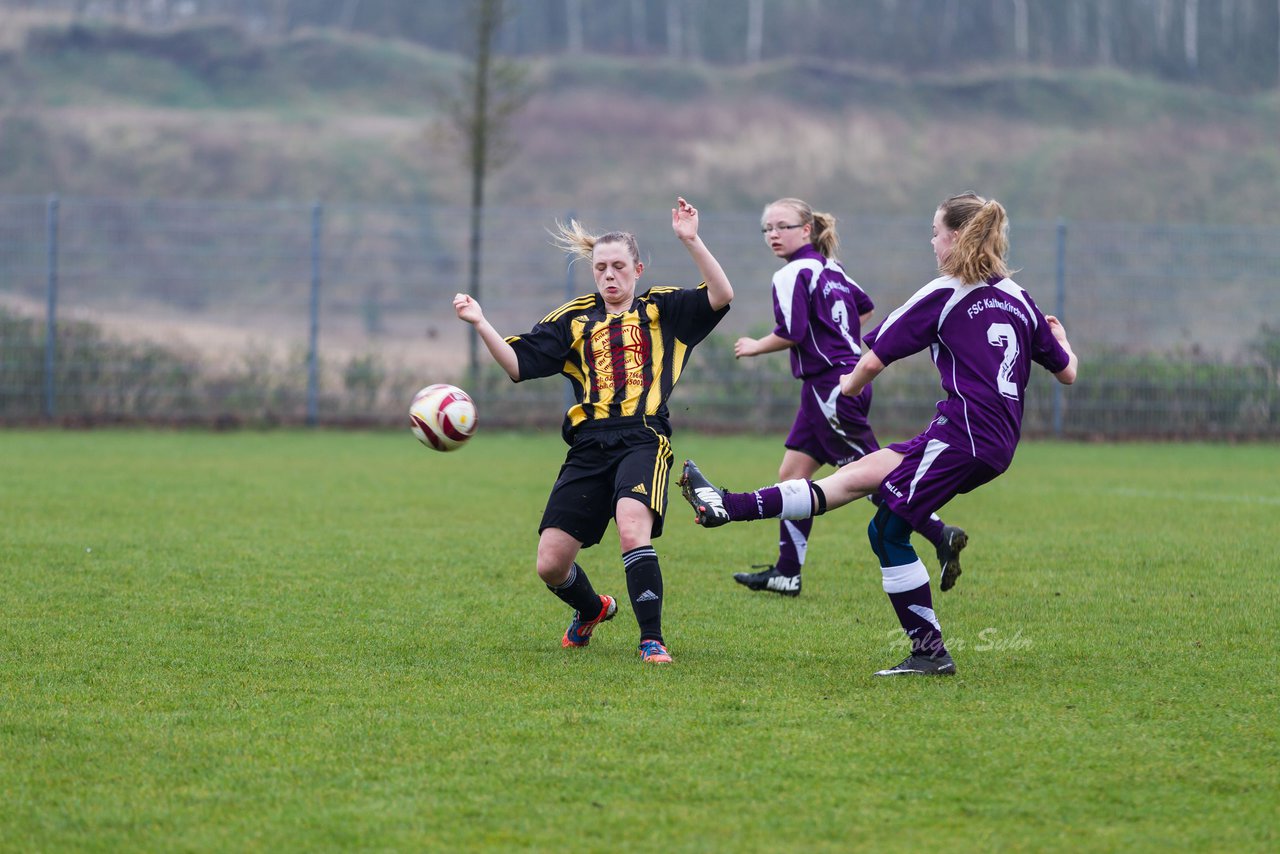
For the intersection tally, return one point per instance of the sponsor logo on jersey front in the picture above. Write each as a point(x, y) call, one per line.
point(626, 356)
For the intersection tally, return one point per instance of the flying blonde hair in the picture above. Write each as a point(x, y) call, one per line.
point(580, 243)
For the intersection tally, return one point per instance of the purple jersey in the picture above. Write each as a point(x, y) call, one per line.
point(983, 339)
point(817, 306)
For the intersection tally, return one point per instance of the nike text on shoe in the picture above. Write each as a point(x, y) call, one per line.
point(579, 631)
point(706, 500)
point(770, 579)
point(953, 540)
point(922, 665)
point(653, 652)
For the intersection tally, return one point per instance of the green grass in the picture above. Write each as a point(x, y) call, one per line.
point(322, 641)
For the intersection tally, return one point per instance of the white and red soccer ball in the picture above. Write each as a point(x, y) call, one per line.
point(442, 416)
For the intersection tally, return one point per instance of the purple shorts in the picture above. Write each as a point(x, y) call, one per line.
point(832, 427)
point(931, 474)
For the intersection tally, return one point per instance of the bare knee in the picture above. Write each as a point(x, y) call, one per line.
point(634, 521)
point(553, 574)
point(797, 465)
point(635, 540)
point(556, 553)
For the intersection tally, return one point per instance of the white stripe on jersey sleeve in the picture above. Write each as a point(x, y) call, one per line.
point(933, 287)
point(833, 264)
point(784, 285)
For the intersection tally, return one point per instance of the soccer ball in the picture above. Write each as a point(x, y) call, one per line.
point(443, 417)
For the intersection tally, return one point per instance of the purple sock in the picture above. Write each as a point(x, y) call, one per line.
point(793, 542)
point(932, 531)
point(762, 504)
point(915, 613)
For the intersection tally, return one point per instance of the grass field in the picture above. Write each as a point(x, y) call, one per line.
point(335, 641)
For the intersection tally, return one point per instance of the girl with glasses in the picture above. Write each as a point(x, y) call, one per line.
point(819, 312)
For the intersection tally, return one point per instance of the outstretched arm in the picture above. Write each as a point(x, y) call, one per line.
point(868, 368)
point(502, 352)
point(770, 343)
point(684, 222)
point(1067, 375)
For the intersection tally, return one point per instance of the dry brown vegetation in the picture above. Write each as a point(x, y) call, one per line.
point(105, 119)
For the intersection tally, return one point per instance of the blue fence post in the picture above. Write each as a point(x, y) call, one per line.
point(51, 308)
point(1060, 311)
point(313, 350)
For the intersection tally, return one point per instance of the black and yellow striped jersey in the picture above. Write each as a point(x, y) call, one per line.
point(622, 366)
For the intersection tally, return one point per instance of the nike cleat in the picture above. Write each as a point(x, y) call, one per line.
point(579, 632)
point(706, 500)
point(953, 540)
point(653, 652)
point(770, 579)
point(922, 665)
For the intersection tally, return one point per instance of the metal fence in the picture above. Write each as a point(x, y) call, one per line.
point(176, 312)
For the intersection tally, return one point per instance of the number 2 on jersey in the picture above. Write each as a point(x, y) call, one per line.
point(1002, 335)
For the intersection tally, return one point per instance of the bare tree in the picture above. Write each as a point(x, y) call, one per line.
point(347, 17)
point(1164, 17)
point(1075, 29)
point(675, 30)
point(1105, 35)
point(1190, 34)
point(492, 91)
point(1021, 31)
point(692, 35)
point(639, 27)
point(573, 14)
point(950, 24)
point(755, 30)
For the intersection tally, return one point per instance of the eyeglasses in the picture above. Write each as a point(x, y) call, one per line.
point(778, 227)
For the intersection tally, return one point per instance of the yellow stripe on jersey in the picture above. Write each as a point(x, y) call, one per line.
point(657, 359)
point(577, 372)
point(584, 303)
point(621, 364)
point(677, 363)
point(661, 474)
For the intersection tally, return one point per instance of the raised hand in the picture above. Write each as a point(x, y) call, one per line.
point(467, 308)
point(684, 220)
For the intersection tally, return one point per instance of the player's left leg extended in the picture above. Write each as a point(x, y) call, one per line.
point(790, 499)
point(783, 575)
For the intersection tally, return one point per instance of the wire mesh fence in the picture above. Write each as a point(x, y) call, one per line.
point(200, 312)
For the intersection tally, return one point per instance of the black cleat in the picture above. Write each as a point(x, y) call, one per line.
point(953, 540)
point(770, 579)
point(922, 665)
point(706, 500)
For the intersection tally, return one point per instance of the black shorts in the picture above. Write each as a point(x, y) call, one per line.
point(602, 467)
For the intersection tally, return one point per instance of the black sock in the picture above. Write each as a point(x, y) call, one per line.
point(644, 586)
point(578, 594)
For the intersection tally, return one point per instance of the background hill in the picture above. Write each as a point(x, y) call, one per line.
point(206, 111)
point(187, 159)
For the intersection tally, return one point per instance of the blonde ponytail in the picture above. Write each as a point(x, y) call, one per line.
point(982, 238)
